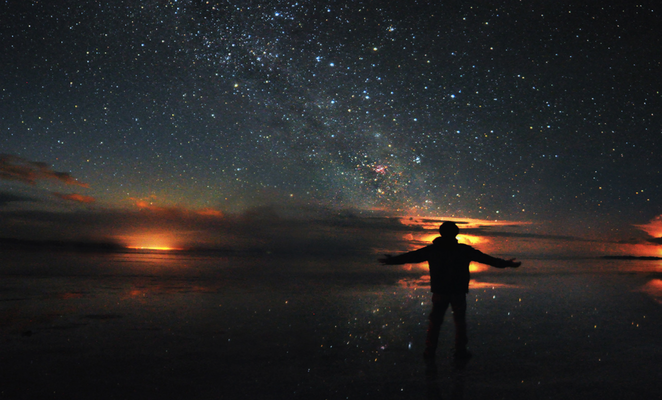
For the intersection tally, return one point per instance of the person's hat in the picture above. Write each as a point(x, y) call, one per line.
point(449, 229)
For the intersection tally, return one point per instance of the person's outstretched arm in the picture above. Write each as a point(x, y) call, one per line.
point(495, 261)
point(412, 257)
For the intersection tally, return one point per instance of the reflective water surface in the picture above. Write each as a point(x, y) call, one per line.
point(173, 325)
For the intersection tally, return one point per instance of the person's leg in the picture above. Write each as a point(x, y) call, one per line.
point(459, 305)
point(436, 317)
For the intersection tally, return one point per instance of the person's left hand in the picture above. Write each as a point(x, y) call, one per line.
point(513, 263)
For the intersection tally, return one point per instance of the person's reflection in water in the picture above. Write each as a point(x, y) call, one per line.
point(457, 378)
point(449, 282)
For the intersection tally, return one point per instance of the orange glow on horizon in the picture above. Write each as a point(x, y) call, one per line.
point(472, 240)
point(153, 248)
point(431, 226)
point(637, 250)
point(653, 228)
point(432, 223)
point(151, 241)
point(429, 237)
point(476, 267)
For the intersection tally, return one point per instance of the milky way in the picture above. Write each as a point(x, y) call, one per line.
point(518, 110)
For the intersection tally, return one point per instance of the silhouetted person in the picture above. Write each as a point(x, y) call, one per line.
point(449, 281)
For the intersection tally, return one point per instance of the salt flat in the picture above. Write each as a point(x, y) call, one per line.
point(125, 327)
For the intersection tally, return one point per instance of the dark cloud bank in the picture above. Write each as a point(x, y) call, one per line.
point(271, 229)
point(19, 169)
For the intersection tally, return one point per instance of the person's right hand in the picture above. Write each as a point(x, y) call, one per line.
point(386, 259)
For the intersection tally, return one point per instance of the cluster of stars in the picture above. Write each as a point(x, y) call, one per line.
point(458, 109)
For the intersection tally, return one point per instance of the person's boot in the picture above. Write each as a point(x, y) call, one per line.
point(429, 354)
point(431, 341)
point(462, 353)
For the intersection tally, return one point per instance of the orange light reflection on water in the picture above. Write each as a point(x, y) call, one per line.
point(423, 267)
point(424, 282)
point(144, 290)
point(654, 289)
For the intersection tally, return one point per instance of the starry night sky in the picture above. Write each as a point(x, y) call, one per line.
point(543, 113)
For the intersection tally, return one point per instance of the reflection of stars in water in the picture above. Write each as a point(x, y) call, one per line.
point(381, 323)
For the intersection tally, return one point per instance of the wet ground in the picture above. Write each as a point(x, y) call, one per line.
point(550, 331)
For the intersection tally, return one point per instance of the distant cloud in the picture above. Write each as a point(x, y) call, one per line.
point(481, 231)
point(75, 197)
point(176, 211)
point(329, 233)
point(149, 205)
point(463, 223)
point(269, 229)
point(210, 212)
point(14, 168)
point(6, 198)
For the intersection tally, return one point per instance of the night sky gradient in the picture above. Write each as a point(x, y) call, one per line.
point(193, 117)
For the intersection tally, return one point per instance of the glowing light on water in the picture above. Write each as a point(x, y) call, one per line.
point(653, 289)
point(423, 282)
